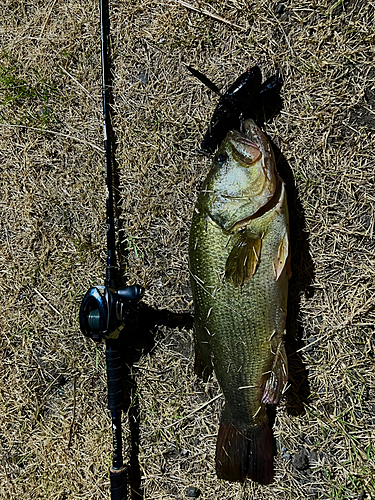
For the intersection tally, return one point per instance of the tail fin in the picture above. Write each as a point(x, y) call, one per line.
point(244, 454)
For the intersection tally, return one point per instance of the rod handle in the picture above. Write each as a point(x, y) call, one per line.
point(118, 484)
point(114, 376)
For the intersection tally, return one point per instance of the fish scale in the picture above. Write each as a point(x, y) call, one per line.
point(240, 321)
point(233, 311)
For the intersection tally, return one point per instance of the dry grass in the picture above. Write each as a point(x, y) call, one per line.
point(54, 427)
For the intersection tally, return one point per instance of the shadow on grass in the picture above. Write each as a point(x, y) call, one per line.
point(299, 284)
point(264, 111)
point(142, 324)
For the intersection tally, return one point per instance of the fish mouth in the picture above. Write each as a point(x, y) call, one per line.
point(245, 151)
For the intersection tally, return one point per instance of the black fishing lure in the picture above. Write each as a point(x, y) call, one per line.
point(246, 98)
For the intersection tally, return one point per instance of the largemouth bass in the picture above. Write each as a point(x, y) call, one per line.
point(239, 264)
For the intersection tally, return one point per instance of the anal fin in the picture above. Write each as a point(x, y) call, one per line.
point(277, 377)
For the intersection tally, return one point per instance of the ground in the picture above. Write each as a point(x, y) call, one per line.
point(54, 426)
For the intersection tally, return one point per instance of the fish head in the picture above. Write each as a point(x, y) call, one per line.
point(242, 179)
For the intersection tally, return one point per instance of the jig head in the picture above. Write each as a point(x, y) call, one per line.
point(246, 98)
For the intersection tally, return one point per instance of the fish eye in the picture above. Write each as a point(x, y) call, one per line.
point(222, 158)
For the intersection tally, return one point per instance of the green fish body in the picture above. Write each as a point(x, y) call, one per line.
point(239, 265)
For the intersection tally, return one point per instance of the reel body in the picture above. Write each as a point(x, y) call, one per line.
point(103, 310)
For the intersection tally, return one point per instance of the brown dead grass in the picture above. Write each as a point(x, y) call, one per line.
point(55, 430)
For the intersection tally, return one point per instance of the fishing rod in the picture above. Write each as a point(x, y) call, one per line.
point(104, 309)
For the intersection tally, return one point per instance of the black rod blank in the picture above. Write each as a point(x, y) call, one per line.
point(106, 89)
point(118, 473)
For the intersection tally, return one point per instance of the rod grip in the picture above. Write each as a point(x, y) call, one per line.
point(118, 484)
point(115, 380)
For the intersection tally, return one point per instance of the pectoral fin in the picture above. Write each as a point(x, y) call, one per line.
point(282, 256)
point(243, 259)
